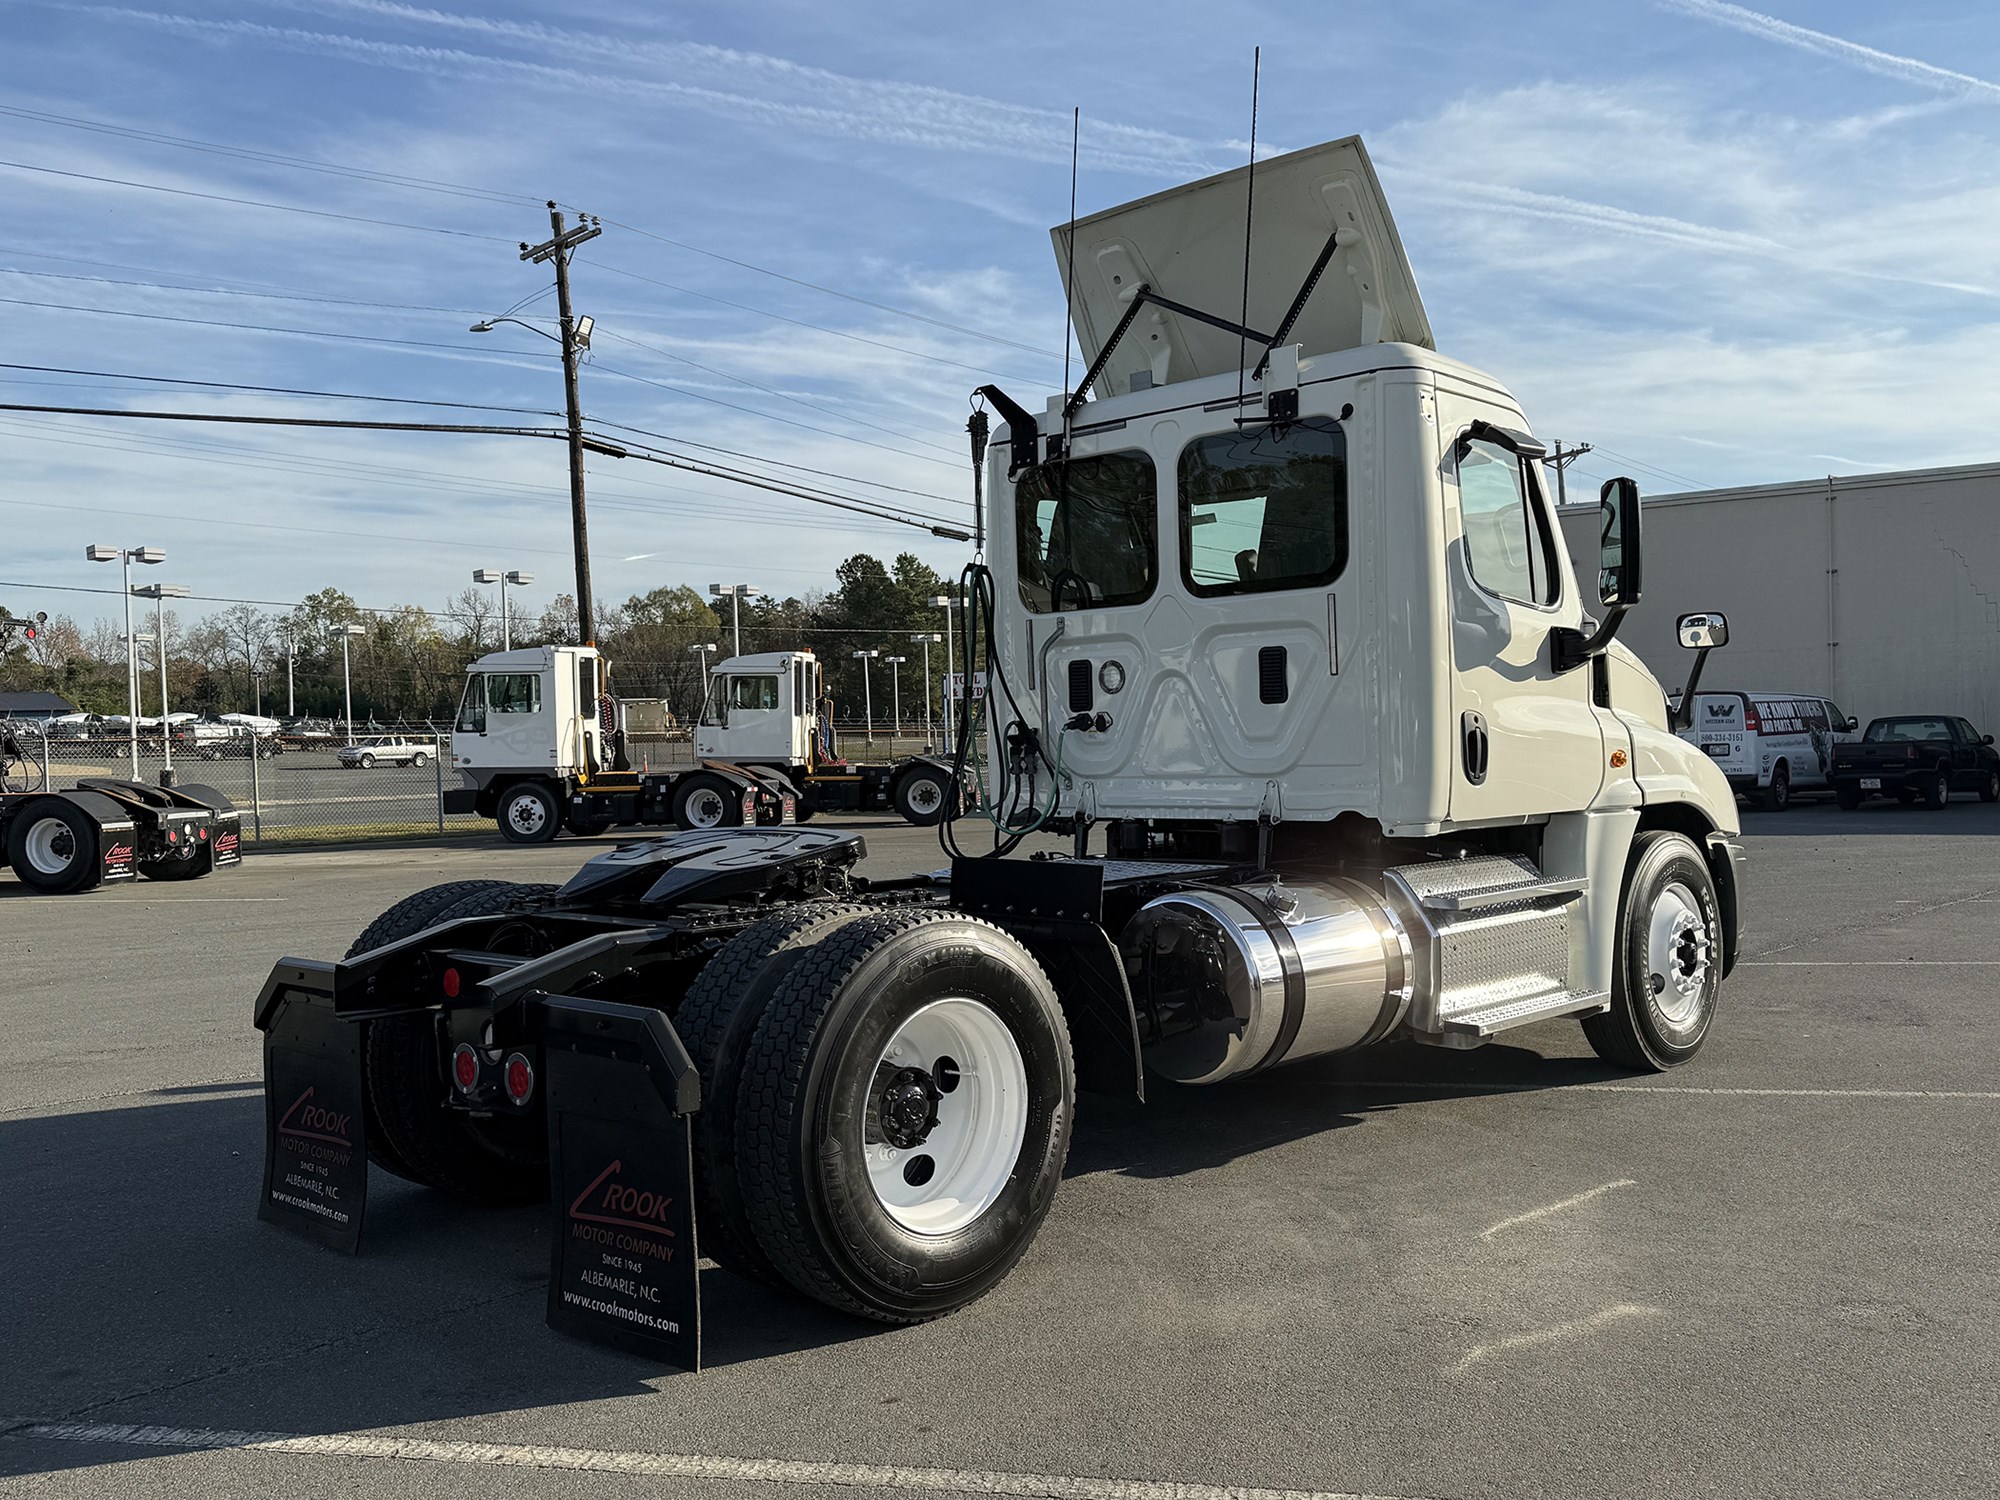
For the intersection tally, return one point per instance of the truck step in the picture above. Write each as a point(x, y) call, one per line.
point(1504, 1017)
point(1486, 880)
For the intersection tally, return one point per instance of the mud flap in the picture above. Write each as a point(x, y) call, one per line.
point(315, 1150)
point(622, 1091)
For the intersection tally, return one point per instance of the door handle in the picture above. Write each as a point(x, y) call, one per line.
point(1473, 745)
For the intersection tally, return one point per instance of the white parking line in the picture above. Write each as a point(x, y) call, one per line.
point(1554, 1208)
point(1868, 963)
point(1437, 1086)
point(1623, 1312)
point(664, 1465)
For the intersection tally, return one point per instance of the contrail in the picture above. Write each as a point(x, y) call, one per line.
point(1871, 59)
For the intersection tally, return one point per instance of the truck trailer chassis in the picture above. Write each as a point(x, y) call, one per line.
point(103, 832)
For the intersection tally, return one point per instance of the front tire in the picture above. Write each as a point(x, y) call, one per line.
point(903, 1114)
point(923, 796)
point(1667, 970)
point(1989, 789)
point(528, 813)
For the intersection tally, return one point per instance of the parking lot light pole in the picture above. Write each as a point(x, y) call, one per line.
point(735, 593)
point(945, 602)
point(291, 657)
point(930, 723)
point(896, 690)
point(867, 692)
point(126, 555)
point(514, 576)
point(160, 593)
point(346, 634)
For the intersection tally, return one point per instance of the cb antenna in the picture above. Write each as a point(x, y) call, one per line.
point(1069, 273)
point(1249, 203)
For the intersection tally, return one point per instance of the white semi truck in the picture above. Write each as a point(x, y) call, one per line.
point(538, 746)
point(1281, 636)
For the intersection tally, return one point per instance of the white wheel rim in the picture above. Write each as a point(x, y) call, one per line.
point(958, 1055)
point(704, 807)
point(925, 795)
point(1677, 955)
point(527, 813)
point(50, 846)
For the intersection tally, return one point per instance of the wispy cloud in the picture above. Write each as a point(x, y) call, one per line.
point(745, 86)
point(1871, 59)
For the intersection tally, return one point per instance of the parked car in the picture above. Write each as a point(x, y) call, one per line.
point(1917, 758)
point(1770, 745)
point(214, 740)
point(387, 750)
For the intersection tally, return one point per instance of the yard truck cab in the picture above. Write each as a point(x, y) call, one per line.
point(540, 744)
point(1280, 638)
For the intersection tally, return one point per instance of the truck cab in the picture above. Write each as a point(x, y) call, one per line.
point(762, 709)
point(535, 708)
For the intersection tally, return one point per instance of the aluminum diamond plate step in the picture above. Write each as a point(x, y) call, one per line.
point(1485, 880)
point(1498, 1018)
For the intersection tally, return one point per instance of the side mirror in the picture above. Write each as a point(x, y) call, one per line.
point(1987, 741)
point(1700, 634)
point(1705, 632)
point(1618, 567)
point(1851, 725)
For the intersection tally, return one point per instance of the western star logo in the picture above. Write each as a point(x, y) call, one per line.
point(315, 1122)
point(609, 1201)
point(1721, 710)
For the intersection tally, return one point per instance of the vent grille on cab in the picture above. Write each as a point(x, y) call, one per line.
point(1271, 686)
point(1079, 686)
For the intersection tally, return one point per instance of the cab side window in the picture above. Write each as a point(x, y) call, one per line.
point(753, 692)
point(514, 692)
point(472, 711)
point(1507, 545)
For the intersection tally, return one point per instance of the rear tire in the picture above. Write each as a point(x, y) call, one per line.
point(715, 1022)
point(502, 1160)
point(53, 848)
point(528, 813)
point(420, 760)
point(903, 1114)
point(1849, 798)
point(1937, 790)
point(1667, 969)
point(1778, 795)
point(704, 800)
point(923, 796)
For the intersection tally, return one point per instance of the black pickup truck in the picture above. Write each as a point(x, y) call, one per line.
point(1916, 758)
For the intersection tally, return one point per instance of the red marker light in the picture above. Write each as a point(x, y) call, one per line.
point(465, 1068)
point(203, 835)
point(520, 1078)
point(451, 984)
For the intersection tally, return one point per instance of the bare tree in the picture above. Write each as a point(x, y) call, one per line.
point(250, 633)
point(473, 615)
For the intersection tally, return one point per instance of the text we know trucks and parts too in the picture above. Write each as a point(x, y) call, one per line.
point(539, 746)
point(1280, 617)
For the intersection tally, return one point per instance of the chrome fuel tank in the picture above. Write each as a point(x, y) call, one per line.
point(1227, 980)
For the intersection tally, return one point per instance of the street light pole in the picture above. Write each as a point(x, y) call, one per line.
point(125, 555)
point(930, 721)
point(514, 576)
point(291, 655)
point(944, 602)
point(735, 593)
point(346, 634)
point(896, 688)
point(160, 593)
point(867, 692)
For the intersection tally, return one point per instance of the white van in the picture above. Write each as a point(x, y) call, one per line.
point(1770, 745)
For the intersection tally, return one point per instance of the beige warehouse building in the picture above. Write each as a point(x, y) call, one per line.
point(1881, 592)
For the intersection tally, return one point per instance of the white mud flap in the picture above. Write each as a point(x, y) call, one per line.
point(622, 1093)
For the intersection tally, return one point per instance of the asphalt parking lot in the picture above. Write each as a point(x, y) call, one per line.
point(1406, 1273)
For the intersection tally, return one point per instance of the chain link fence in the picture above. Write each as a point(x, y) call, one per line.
point(290, 789)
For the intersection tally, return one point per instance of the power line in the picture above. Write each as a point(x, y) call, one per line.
point(313, 333)
point(1640, 463)
point(782, 463)
point(278, 390)
point(289, 208)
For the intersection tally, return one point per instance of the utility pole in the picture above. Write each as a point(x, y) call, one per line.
point(557, 248)
point(1560, 460)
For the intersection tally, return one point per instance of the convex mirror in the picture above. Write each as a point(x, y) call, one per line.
point(1698, 631)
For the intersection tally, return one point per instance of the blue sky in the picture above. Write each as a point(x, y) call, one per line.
point(1725, 245)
